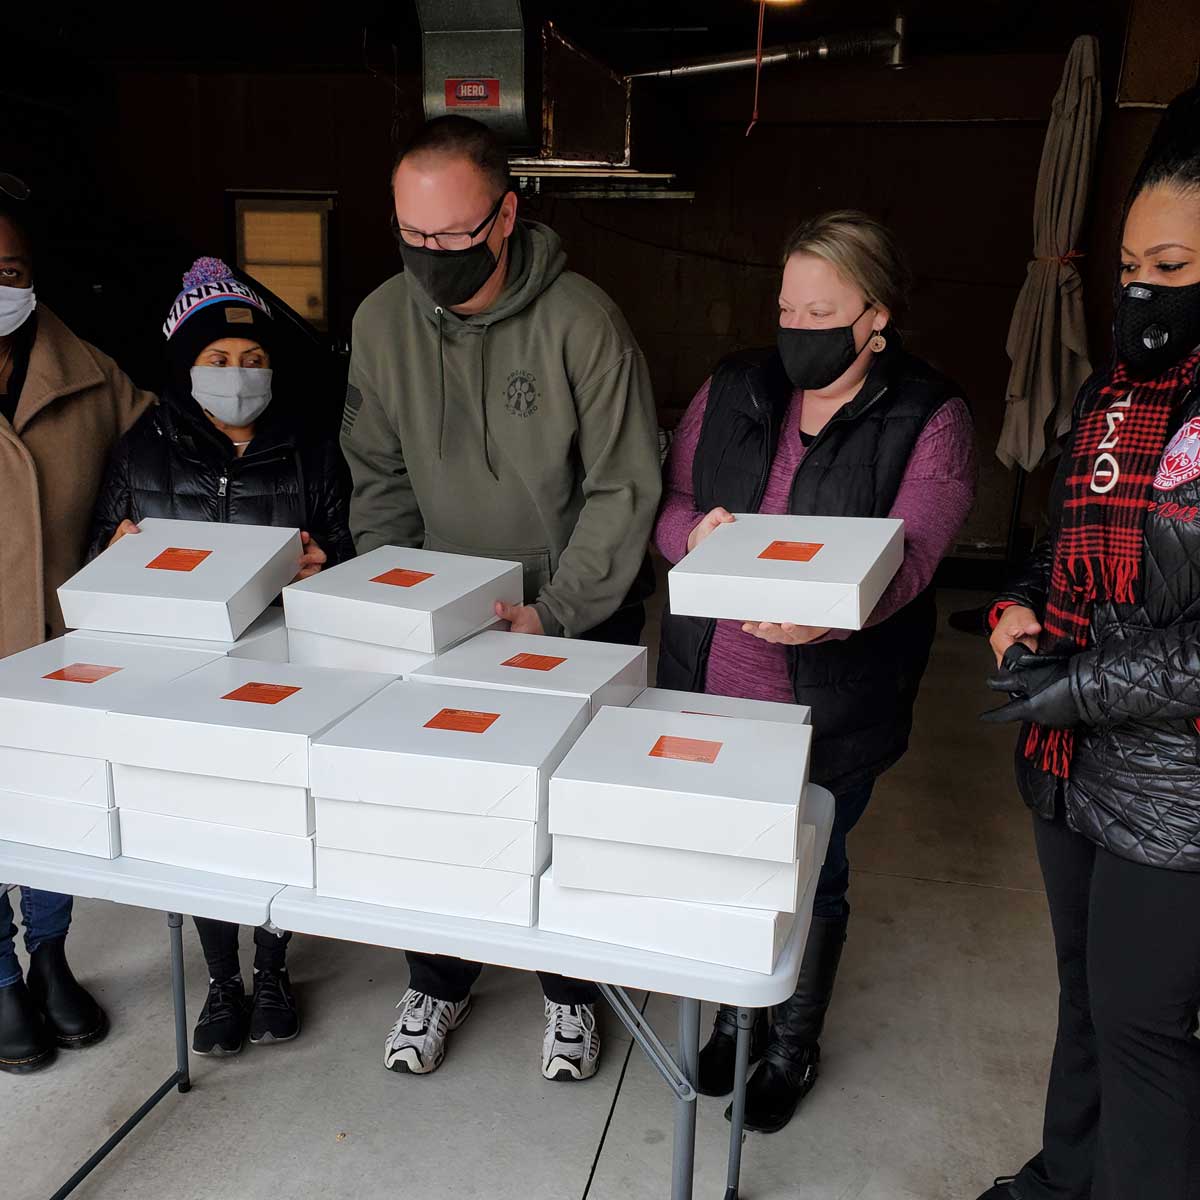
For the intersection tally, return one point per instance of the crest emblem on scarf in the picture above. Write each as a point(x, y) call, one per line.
point(1181, 459)
point(521, 397)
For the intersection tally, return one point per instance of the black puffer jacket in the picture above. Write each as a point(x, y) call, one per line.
point(1135, 776)
point(175, 464)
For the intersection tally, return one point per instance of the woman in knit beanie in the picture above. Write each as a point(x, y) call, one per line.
point(223, 446)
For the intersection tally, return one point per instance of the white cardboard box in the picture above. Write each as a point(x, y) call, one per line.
point(56, 776)
point(455, 839)
point(222, 849)
point(596, 672)
point(719, 785)
point(684, 874)
point(449, 749)
point(747, 938)
point(320, 650)
point(428, 887)
point(418, 600)
point(54, 697)
point(828, 572)
point(204, 580)
point(268, 807)
point(665, 700)
point(237, 719)
point(60, 825)
point(266, 640)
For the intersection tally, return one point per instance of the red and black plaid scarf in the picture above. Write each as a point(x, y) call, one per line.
point(1115, 453)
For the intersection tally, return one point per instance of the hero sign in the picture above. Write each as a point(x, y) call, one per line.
point(472, 93)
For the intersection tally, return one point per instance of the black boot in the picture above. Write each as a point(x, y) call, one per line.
point(792, 1058)
point(717, 1057)
point(1001, 1190)
point(25, 1043)
point(73, 1018)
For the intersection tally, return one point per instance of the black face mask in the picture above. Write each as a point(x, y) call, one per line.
point(1156, 326)
point(814, 358)
point(450, 277)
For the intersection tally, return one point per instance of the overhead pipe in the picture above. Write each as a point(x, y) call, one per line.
point(859, 44)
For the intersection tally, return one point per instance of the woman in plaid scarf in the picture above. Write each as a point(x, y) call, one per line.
point(1098, 650)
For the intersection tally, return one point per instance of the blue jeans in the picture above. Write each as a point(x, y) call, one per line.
point(47, 916)
point(834, 882)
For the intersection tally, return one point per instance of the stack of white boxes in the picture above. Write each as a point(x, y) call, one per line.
point(55, 781)
point(435, 799)
point(395, 609)
point(678, 827)
point(212, 770)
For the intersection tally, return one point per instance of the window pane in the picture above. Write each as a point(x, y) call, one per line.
point(301, 287)
point(271, 235)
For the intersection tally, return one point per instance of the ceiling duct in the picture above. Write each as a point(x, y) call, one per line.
point(565, 115)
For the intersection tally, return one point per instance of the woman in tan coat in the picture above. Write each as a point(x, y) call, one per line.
point(63, 405)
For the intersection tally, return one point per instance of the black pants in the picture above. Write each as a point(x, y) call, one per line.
point(219, 940)
point(1123, 1104)
point(446, 978)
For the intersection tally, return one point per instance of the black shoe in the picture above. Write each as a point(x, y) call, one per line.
point(25, 1043)
point(221, 1030)
point(273, 1013)
point(774, 1091)
point(718, 1056)
point(1001, 1190)
point(73, 1018)
point(791, 1062)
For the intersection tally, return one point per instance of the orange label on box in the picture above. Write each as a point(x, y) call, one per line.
point(792, 551)
point(176, 558)
point(400, 577)
point(686, 749)
point(534, 662)
point(82, 673)
point(261, 693)
point(462, 720)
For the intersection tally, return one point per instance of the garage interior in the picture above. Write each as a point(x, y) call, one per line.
point(264, 135)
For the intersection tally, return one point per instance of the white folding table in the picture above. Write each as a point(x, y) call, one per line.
point(617, 969)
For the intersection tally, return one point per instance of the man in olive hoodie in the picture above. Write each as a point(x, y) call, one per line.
point(498, 405)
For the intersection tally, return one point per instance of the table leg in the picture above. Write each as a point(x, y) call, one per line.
point(737, 1117)
point(684, 1160)
point(175, 924)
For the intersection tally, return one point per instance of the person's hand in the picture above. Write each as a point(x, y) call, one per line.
point(126, 526)
point(786, 634)
point(312, 560)
point(521, 618)
point(1017, 626)
point(718, 516)
point(1039, 690)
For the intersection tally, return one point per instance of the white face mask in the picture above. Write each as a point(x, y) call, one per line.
point(236, 396)
point(16, 307)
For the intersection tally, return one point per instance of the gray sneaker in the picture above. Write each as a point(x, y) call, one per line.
point(571, 1047)
point(416, 1044)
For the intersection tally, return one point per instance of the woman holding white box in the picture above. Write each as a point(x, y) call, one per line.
point(221, 447)
point(838, 419)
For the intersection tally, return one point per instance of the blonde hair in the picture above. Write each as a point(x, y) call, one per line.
point(861, 250)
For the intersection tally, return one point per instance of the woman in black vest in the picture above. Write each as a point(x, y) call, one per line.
point(1099, 644)
point(224, 445)
point(836, 420)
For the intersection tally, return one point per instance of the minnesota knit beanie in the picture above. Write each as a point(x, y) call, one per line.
point(214, 305)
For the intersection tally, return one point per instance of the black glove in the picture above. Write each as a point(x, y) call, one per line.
point(1040, 687)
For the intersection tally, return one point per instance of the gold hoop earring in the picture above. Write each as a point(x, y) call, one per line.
point(878, 343)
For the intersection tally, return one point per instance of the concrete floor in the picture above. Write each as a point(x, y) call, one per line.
point(934, 1059)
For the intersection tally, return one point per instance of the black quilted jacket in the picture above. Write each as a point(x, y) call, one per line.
point(1135, 778)
point(173, 463)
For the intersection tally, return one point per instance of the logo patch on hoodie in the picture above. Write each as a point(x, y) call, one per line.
point(521, 398)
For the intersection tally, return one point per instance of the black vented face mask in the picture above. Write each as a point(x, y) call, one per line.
point(1156, 326)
